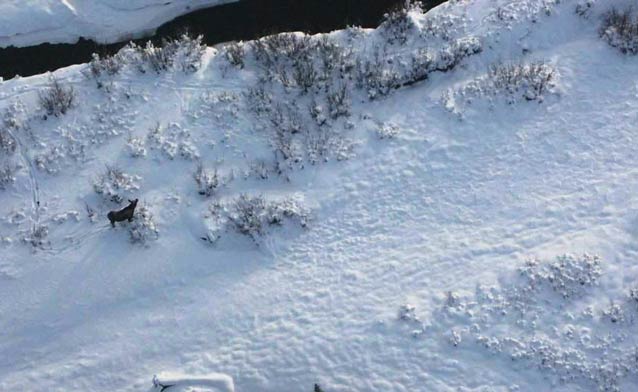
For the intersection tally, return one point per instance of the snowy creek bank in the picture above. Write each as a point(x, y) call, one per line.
point(242, 20)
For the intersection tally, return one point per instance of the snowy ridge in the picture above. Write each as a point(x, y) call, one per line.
point(445, 203)
point(32, 22)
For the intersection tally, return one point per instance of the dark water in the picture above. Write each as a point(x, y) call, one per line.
point(243, 20)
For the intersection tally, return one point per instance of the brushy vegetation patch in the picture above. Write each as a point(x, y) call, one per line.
point(56, 99)
point(303, 99)
point(235, 53)
point(172, 141)
point(183, 54)
point(8, 144)
point(209, 181)
point(620, 30)
point(397, 25)
point(100, 68)
point(7, 175)
point(549, 318)
point(114, 185)
point(531, 81)
point(255, 216)
point(37, 237)
point(143, 229)
point(511, 82)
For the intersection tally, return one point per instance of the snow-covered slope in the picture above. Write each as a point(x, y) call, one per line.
point(410, 241)
point(32, 22)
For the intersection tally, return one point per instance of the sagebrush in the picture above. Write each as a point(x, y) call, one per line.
point(56, 99)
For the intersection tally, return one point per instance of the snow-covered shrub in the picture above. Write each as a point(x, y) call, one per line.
point(277, 48)
point(333, 57)
point(286, 120)
point(56, 99)
point(620, 30)
point(136, 147)
point(188, 57)
point(323, 142)
point(115, 185)
point(287, 210)
point(286, 149)
point(380, 73)
point(248, 216)
point(158, 58)
point(37, 236)
point(339, 102)
point(373, 75)
point(509, 13)
point(251, 216)
point(397, 25)
point(8, 144)
point(420, 66)
point(441, 25)
point(317, 112)
point(512, 82)
point(172, 141)
point(584, 8)
point(15, 117)
point(614, 313)
point(100, 67)
point(549, 319)
point(633, 296)
point(449, 57)
point(7, 175)
point(304, 73)
point(207, 181)
point(50, 160)
point(529, 80)
point(260, 170)
point(260, 100)
point(183, 54)
point(234, 53)
point(568, 275)
point(143, 228)
point(407, 313)
point(387, 130)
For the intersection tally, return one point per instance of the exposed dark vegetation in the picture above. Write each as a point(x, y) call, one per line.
point(7, 175)
point(8, 144)
point(252, 215)
point(57, 99)
point(620, 30)
point(235, 54)
point(207, 180)
point(397, 24)
point(531, 79)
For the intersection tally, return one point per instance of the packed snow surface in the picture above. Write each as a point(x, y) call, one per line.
point(32, 22)
point(446, 203)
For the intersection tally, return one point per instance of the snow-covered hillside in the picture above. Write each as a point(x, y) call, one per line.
point(445, 203)
point(32, 22)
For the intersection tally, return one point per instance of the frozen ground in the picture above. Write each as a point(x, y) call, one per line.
point(436, 216)
point(32, 22)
